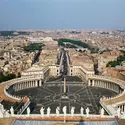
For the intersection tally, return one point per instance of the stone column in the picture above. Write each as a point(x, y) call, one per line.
point(113, 86)
point(27, 84)
point(89, 82)
point(40, 83)
point(30, 84)
point(36, 84)
point(24, 85)
point(97, 83)
point(109, 85)
point(104, 84)
point(122, 108)
point(117, 88)
point(93, 83)
point(17, 86)
point(100, 82)
point(21, 86)
point(33, 83)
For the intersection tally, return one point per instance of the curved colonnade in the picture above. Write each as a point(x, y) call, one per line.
point(110, 104)
point(106, 82)
point(25, 83)
point(20, 84)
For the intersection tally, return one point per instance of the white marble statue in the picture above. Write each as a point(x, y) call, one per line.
point(2, 110)
point(72, 111)
point(48, 111)
point(82, 110)
point(102, 112)
point(57, 111)
point(65, 110)
point(7, 113)
point(11, 111)
point(87, 112)
point(123, 114)
point(42, 111)
point(28, 111)
point(118, 112)
point(1, 113)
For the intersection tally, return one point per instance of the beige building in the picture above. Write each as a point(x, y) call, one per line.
point(36, 70)
point(122, 75)
point(49, 42)
point(115, 72)
point(80, 64)
point(104, 58)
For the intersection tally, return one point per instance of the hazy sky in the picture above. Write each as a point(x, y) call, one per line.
point(62, 14)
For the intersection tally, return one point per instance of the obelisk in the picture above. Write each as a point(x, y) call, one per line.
point(64, 86)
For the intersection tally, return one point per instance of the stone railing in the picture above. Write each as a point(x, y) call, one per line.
point(115, 97)
point(106, 78)
point(12, 96)
point(17, 80)
point(106, 108)
point(108, 103)
point(61, 115)
point(24, 106)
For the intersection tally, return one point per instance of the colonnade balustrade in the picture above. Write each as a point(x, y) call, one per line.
point(105, 84)
point(12, 96)
point(122, 108)
point(26, 84)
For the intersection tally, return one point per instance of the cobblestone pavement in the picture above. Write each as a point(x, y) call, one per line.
point(78, 95)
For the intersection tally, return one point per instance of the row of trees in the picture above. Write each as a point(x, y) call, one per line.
point(33, 47)
point(12, 33)
point(4, 78)
point(75, 42)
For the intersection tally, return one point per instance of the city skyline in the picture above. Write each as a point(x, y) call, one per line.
point(62, 14)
